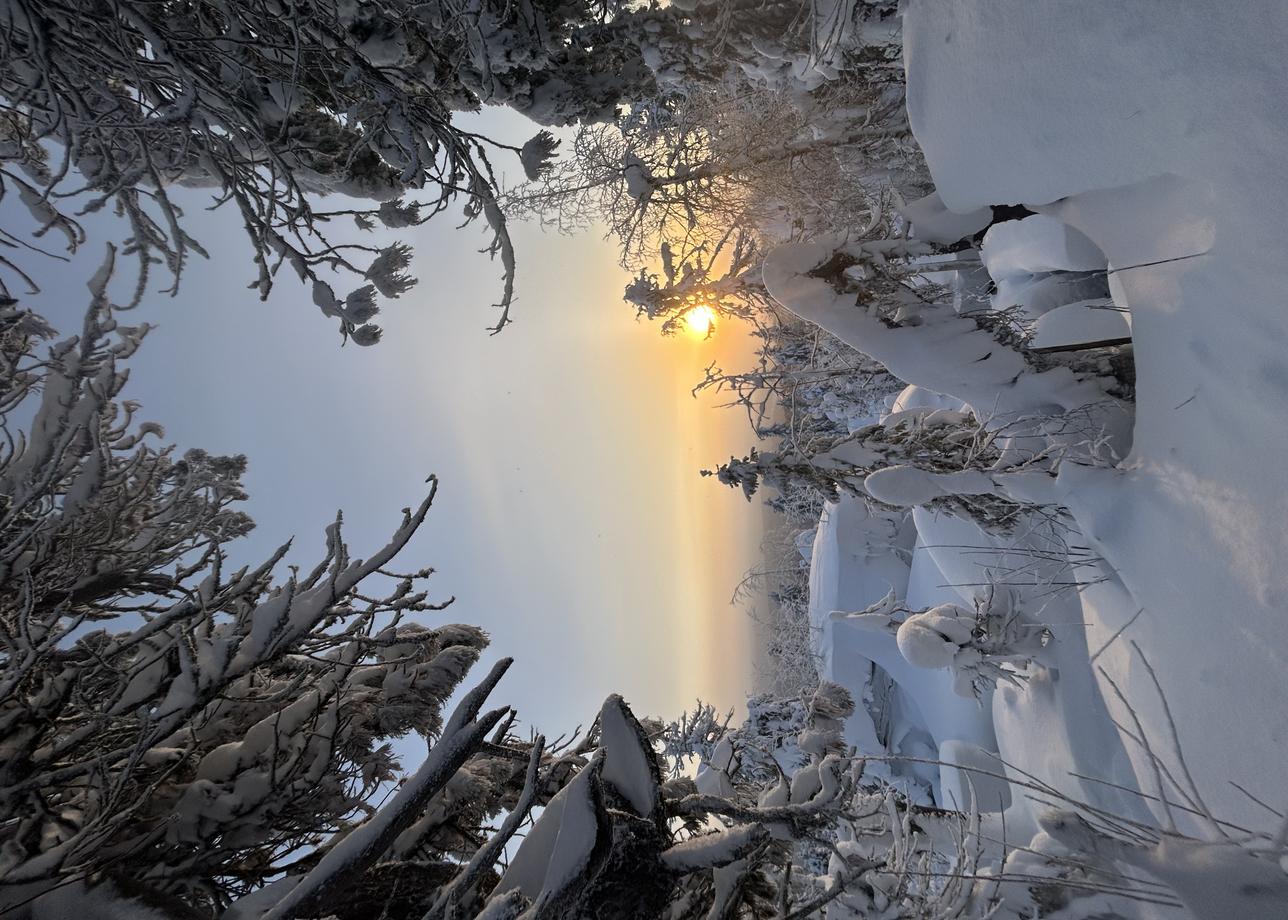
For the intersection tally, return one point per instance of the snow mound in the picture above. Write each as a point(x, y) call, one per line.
point(1038, 244)
point(915, 397)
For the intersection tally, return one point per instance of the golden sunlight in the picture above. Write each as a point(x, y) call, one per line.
point(700, 322)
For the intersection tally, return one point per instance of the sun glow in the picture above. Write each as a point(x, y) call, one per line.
point(700, 322)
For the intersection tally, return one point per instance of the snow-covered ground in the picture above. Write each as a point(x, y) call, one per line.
point(1159, 137)
point(1149, 141)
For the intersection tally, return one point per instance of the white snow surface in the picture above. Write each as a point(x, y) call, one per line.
point(1159, 135)
point(1056, 725)
point(933, 222)
point(627, 765)
point(559, 845)
point(1037, 244)
point(1080, 323)
point(915, 397)
point(859, 557)
point(968, 775)
point(1039, 294)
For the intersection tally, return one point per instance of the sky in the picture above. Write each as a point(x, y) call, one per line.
point(571, 521)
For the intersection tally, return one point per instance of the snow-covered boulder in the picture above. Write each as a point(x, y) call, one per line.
point(859, 556)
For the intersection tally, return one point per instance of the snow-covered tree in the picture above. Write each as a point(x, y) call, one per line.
point(722, 278)
point(719, 159)
point(807, 387)
point(180, 733)
point(994, 642)
point(274, 106)
point(839, 844)
point(937, 458)
point(692, 736)
point(868, 295)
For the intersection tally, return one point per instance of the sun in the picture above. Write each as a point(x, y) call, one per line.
point(700, 322)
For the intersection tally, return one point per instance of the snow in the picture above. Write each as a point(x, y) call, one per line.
point(1080, 323)
point(578, 835)
point(933, 222)
point(1038, 294)
point(941, 351)
point(639, 183)
point(1060, 703)
point(362, 846)
point(628, 764)
point(1165, 148)
point(527, 870)
point(560, 843)
point(905, 485)
point(1164, 580)
point(717, 849)
point(1041, 264)
point(933, 638)
point(915, 397)
point(713, 777)
point(1149, 147)
point(1038, 244)
point(851, 569)
point(1215, 880)
point(968, 773)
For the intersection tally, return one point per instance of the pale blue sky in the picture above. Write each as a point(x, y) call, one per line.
point(571, 522)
